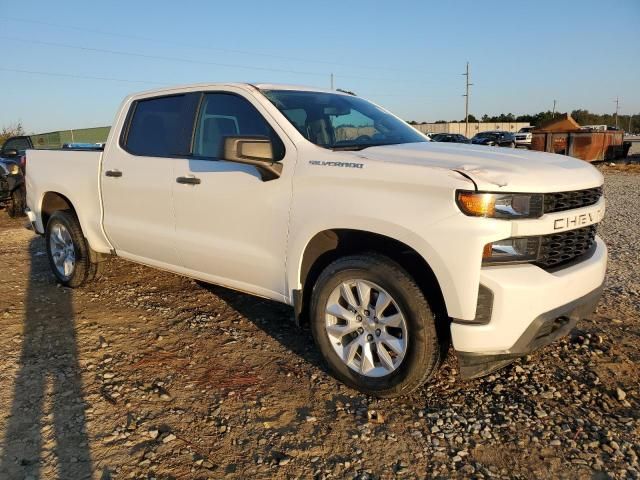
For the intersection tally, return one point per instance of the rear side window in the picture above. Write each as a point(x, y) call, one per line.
point(226, 115)
point(161, 127)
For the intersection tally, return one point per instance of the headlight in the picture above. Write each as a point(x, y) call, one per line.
point(13, 169)
point(500, 205)
point(522, 249)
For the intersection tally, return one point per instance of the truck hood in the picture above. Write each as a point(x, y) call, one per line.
point(494, 168)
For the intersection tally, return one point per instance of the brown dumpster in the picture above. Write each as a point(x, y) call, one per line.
point(564, 136)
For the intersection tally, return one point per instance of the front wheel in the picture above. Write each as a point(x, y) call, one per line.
point(68, 251)
point(374, 326)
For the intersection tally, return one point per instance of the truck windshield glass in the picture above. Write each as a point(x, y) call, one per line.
point(341, 122)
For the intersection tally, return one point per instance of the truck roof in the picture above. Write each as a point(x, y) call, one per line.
point(244, 85)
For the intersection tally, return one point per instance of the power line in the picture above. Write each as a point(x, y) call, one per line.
point(148, 82)
point(183, 60)
point(218, 49)
point(159, 57)
point(71, 75)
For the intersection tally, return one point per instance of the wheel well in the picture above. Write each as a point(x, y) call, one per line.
point(53, 202)
point(329, 245)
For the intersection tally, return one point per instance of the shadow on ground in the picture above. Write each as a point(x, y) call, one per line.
point(47, 415)
point(275, 319)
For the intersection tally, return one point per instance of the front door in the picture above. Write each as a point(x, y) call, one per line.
point(231, 227)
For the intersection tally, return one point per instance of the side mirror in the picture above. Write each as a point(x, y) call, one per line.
point(11, 152)
point(256, 151)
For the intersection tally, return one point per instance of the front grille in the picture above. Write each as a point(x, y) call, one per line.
point(559, 248)
point(558, 202)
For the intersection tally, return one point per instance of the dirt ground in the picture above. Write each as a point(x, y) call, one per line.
point(145, 374)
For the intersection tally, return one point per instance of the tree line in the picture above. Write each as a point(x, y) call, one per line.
point(13, 130)
point(583, 117)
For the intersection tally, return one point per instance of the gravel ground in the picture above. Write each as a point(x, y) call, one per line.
point(145, 374)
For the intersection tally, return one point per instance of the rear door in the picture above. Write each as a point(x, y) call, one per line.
point(137, 177)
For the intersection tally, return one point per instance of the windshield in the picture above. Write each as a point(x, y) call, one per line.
point(341, 122)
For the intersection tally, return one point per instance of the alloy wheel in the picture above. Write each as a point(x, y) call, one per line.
point(63, 251)
point(366, 328)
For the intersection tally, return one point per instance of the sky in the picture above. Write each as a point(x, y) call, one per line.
point(69, 64)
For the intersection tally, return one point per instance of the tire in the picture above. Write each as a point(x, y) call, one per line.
point(512, 145)
point(17, 203)
point(64, 225)
point(423, 350)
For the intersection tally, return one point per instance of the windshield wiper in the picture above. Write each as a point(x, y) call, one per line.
point(360, 146)
point(349, 147)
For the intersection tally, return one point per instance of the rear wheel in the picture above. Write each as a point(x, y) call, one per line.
point(68, 252)
point(373, 326)
point(512, 145)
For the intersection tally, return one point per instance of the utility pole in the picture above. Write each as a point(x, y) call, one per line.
point(332, 81)
point(466, 102)
point(617, 108)
point(553, 114)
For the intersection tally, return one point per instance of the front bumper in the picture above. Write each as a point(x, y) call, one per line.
point(531, 308)
point(544, 329)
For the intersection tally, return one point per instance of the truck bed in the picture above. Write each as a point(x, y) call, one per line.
point(74, 174)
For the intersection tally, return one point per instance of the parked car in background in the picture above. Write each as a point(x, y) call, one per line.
point(495, 138)
point(83, 146)
point(524, 137)
point(12, 166)
point(450, 138)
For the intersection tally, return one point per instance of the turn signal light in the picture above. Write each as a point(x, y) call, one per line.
point(477, 204)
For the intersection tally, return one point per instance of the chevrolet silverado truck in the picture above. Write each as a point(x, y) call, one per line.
point(390, 247)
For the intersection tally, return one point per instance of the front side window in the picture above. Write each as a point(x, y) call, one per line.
point(341, 122)
point(226, 115)
point(161, 127)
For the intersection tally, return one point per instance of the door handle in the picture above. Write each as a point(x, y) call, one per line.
point(113, 173)
point(188, 180)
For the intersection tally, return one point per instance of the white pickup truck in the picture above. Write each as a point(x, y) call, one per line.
point(390, 246)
